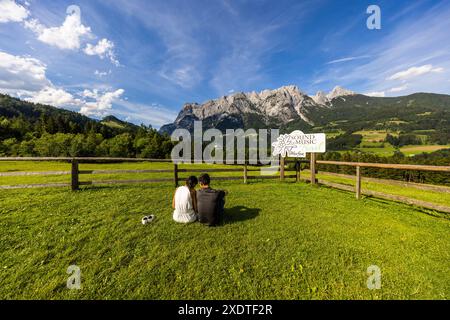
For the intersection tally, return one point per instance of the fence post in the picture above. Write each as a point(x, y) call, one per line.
point(313, 168)
point(245, 173)
point(358, 182)
point(298, 169)
point(175, 175)
point(75, 179)
point(282, 164)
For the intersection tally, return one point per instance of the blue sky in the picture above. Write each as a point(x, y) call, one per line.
point(141, 60)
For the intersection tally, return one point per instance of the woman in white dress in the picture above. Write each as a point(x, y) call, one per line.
point(185, 202)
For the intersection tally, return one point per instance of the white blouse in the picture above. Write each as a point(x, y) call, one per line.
point(184, 210)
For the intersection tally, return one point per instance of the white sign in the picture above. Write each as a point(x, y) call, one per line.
point(297, 144)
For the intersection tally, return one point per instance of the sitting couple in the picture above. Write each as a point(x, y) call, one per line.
point(205, 205)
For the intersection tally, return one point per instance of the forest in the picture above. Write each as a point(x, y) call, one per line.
point(29, 130)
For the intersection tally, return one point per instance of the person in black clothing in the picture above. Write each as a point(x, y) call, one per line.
point(210, 203)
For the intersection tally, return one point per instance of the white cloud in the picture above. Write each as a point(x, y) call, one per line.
point(154, 114)
point(68, 36)
point(102, 74)
point(21, 74)
point(25, 77)
point(54, 97)
point(102, 102)
point(348, 59)
point(414, 72)
point(185, 77)
point(71, 34)
point(399, 89)
point(376, 94)
point(104, 48)
point(383, 93)
point(10, 11)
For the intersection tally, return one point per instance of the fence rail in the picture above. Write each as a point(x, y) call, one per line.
point(358, 180)
point(75, 172)
point(246, 170)
point(83, 159)
point(388, 166)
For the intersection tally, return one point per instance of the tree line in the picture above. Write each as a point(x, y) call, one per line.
point(20, 138)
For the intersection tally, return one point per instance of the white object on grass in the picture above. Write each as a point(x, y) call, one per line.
point(148, 219)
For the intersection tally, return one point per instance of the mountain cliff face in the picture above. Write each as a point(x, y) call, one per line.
point(339, 111)
point(256, 110)
point(321, 98)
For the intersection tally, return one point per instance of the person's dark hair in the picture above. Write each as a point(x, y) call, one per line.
point(191, 182)
point(205, 179)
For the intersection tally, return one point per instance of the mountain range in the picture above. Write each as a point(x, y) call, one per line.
point(288, 108)
point(420, 118)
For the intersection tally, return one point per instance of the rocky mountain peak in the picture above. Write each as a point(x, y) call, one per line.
point(339, 92)
point(275, 107)
point(320, 98)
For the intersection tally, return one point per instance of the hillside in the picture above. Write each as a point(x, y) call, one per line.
point(350, 120)
point(56, 120)
point(28, 129)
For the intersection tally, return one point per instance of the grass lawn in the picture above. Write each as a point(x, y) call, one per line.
point(413, 150)
point(373, 142)
point(386, 151)
point(374, 135)
point(279, 241)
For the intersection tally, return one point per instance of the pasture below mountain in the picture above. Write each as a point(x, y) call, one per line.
point(279, 241)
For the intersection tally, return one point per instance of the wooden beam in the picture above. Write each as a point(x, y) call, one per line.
point(124, 171)
point(298, 169)
point(245, 173)
point(41, 173)
point(389, 166)
point(83, 159)
point(407, 200)
point(211, 170)
point(381, 195)
point(358, 182)
point(268, 177)
point(175, 175)
point(109, 182)
point(32, 186)
point(419, 186)
point(313, 169)
point(75, 182)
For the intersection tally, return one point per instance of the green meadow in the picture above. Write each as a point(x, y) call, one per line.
point(373, 141)
point(280, 240)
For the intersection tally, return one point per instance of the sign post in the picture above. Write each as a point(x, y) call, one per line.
point(297, 145)
point(313, 168)
point(298, 169)
point(282, 167)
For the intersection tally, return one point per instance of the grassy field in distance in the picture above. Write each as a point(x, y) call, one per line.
point(373, 142)
point(413, 150)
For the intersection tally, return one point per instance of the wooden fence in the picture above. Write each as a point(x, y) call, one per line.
point(246, 175)
point(76, 172)
point(358, 179)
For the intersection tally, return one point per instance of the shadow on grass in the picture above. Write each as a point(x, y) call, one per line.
point(239, 214)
